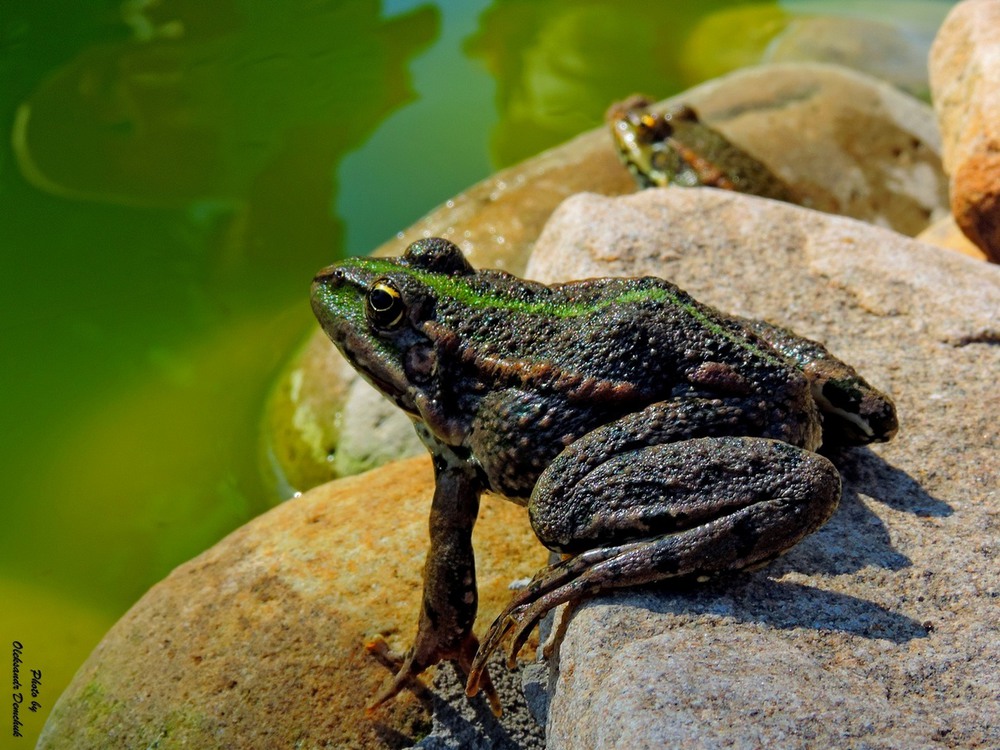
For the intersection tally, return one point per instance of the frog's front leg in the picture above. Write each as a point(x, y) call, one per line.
point(635, 514)
point(450, 599)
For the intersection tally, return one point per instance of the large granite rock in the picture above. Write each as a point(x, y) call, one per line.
point(259, 641)
point(845, 142)
point(878, 631)
point(965, 85)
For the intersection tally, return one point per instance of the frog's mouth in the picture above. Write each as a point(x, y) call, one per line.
point(858, 422)
point(387, 378)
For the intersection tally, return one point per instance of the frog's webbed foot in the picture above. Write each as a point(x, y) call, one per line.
point(405, 674)
point(422, 655)
point(567, 581)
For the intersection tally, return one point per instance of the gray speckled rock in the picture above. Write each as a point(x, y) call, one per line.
point(880, 630)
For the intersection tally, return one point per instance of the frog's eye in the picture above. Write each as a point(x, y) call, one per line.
point(384, 305)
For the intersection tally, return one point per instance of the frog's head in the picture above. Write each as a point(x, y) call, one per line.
point(645, 142)
point(375, 311)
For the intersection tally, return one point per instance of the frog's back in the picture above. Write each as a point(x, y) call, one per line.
point(649, 325)
point(637, 337)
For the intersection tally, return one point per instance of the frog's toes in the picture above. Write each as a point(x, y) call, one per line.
point(406, 671)
point(404, 676)
point(513, 619)
point(563, 582)
point(478, 678)
point(523, 626)
point(560, 622)
point(379, 649)
point(522, 617)
point(406, 668)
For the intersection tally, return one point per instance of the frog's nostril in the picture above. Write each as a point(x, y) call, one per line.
point(331, 276)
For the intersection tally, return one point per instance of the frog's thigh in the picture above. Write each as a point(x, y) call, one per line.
point(700, 505)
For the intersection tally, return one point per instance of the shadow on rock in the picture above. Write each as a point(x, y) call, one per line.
point(778, 604)
point(458, 722)
point(856, 537)
point(865, 470)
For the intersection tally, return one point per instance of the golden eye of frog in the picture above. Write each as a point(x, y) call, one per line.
point(677, 148)
point(650, 436)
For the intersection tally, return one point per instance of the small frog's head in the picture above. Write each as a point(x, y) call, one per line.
point(645, 142)
point(375, 311)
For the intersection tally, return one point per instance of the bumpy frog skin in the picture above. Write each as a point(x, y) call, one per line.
point(677, 148)
point(649, 435)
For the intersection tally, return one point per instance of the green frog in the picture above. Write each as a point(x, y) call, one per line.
point(676, 148)
point(650, 436)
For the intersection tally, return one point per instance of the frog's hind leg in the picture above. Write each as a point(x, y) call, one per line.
point(691, 508)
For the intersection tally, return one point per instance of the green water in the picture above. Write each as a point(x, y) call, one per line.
point(172, 175)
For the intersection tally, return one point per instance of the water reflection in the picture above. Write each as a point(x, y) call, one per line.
point(558, 65)
point(174, 193)
point(239, 108)
point(218, 128)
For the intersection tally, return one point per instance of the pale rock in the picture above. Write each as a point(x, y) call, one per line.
point(369, 434)
point(885, 50)
point(945, 233)
point(878, 631)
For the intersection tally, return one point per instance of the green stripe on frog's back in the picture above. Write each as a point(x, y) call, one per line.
point(459, 290)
